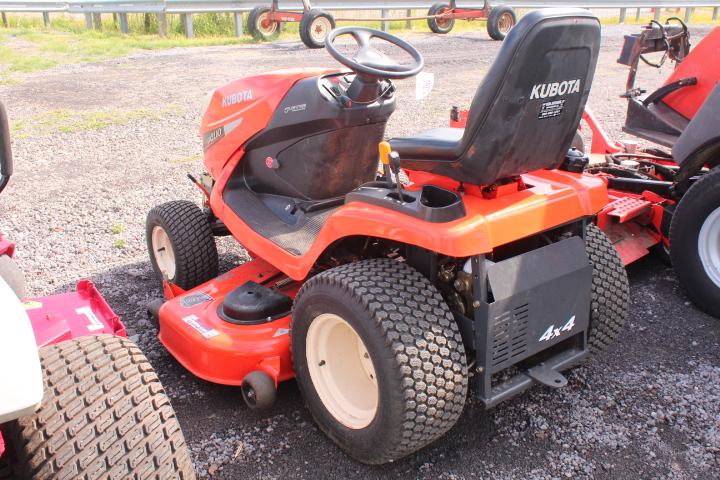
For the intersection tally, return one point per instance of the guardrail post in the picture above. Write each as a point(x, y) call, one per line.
point(188, 25)
point(46, 19)
point(238, 24)
point(123, 23)
point(384, 24)
point(688, 14)
point(88, 21)
point(97, 21)
point(623, 13)
point(658, 12)
point(637, 15)
point(4, 20)
point(408, 23)
point(162, 24)
point(716, 10)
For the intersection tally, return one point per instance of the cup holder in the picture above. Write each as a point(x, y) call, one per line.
point(436, 197)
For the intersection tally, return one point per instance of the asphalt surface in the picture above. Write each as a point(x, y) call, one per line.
point(650, 408)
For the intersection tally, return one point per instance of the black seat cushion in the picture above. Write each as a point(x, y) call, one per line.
point(527, 108)
point(438, 143)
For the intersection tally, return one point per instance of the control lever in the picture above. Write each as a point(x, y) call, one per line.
point(384, 150)
point(395, 165)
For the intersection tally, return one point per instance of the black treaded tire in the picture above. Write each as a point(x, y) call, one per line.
point(12, 275)
point(610, 296)
point(308, 22)
point(258, 390)
point(256, 29)
point(701, 199)
point(440, 26)
point(414, 344)
point(498, 15)
point(196, 257)
point(104, 414)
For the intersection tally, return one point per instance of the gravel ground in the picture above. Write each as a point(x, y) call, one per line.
point(77, 206)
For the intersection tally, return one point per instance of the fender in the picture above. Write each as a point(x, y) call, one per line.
point(699, 144)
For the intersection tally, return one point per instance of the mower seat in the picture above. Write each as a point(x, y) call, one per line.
point(527, 108)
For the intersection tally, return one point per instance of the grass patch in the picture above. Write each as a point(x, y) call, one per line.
point(69, 121)
point(120, 243)
point(117, 228)
point(187, 159)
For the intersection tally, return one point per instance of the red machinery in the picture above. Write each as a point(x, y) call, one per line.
point(315, 24)
point(378, 297)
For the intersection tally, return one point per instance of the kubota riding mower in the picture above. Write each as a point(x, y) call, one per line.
point(77, 398)
point(389, 302)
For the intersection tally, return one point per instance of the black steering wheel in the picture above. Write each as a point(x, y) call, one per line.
point(371, 62)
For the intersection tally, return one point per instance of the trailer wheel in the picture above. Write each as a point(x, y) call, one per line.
point(378, 358)
point(104, 413)
point(610, 292)
point(695, 242)
point(181, 244)
point(500, 21)
point(260, 26)
point(440, 24)
point(315, 26)
point(12, 275)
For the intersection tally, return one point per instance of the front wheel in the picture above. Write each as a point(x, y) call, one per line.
point(695, 242)
point(261, 26)
point(181, 244)
point(378, 358)
point(500, 21)
point(440, 24)
point(315, 26)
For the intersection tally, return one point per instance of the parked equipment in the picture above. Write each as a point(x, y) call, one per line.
point(264, 23)
point(485, 275)
point(663, 202)
point(78, 399)
point(500, 19)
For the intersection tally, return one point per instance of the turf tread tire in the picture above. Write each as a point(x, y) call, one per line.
point(420, 340)
point(701, 199)
point(610, 294)
point(196, 257)
point(435, 9)
point(104, 414)
point(306, 23)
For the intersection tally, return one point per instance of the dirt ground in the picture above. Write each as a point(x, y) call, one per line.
point(77, 207)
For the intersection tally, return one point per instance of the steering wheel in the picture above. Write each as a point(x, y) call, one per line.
point(371, 62)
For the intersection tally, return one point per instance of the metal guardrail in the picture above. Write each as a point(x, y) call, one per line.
point(92, 9)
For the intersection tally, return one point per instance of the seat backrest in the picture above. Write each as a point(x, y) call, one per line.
point(528, 106)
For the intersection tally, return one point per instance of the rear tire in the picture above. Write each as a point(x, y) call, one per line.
point(181, 244)
point(402, 383)
point(695, 242)
point(12, 275)
point(315, 26)
point(104, 413)
point(500, 21)
point(260, 27)
point(609, 299)
point(440, 25)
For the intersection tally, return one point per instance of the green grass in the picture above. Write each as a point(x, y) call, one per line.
point(120, 243)
point(117, 228)
point(69, 121)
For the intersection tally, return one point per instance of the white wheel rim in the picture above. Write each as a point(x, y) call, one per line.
point(341, 371)
point(319, 29)
point(163, 252)
point(709, 246)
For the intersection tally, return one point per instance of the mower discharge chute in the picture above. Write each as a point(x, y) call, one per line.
point(77, 398)
point(389, 302)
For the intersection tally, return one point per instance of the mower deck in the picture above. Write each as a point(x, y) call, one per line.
point(217, 350)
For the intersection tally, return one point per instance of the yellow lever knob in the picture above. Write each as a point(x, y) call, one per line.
point(384, 152)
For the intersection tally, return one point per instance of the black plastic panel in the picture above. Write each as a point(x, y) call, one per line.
point(252, 303)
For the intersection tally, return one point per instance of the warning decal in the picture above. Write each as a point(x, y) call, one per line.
point(551, 109)
point(206, 332)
